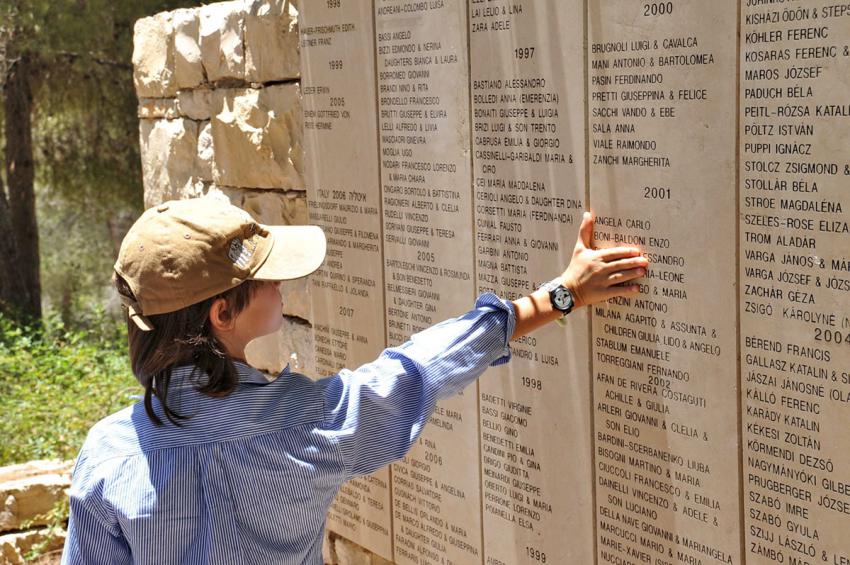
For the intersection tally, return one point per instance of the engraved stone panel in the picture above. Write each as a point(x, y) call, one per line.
point(528, 131)
point(343, 185)
point(662, 87)
point(423, 103)
point(795, 280)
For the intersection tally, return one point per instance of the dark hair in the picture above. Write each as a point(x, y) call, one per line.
point(184, 337)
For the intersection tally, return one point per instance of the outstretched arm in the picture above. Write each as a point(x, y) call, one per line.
point(593, 275)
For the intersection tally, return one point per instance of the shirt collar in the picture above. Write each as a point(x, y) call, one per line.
point(248, 374)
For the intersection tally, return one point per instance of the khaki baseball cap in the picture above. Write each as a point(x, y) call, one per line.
point(185, 251)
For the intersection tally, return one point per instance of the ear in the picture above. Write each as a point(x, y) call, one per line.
point(220, 318)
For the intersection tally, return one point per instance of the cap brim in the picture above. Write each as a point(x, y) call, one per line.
point(296, 252)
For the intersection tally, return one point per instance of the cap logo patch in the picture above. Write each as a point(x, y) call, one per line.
point(240, 251)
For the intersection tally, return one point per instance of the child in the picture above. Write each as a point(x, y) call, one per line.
point(220, 465)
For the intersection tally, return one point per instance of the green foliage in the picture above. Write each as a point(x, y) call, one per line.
point(56, 382)
point(77, 253)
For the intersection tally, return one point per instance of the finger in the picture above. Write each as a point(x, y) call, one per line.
point(614, 253)
point(585, 232)
point(623, 264)
point(624, 290)
point(624, 276)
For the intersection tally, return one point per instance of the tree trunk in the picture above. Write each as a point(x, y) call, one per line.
point(11, 285)
point(20, 177)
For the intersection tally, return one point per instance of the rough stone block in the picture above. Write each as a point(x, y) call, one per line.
point(222, 31)
point(188, 69)
point(271, 41)
point(15, 547)
point(158, 108)
point(153, 57)
point(195, 104)
point(328, 553)
point(169, 152)
point(205, 153)
point(296, 298)
point(268, 207)
point(35, 468)
point(351, 554)
point(29, 494)
point(296, 338)
point(257, 137)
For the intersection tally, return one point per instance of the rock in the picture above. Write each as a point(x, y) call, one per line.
point(296, 346)
point(296, 298)
point(257, 137)
point(271, 41)
point(195, 104)
point(36, 468)
point(328, 554)
point(349, 553)
point(270, 207)
point(158, 108)
point(153, 57)
point(276, 208)
point(29, 492)
point(15, 547)
point(205, 153)
point(188, 68)
point(169, 151)
point(222, 32)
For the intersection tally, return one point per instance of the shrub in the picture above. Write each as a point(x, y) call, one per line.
point(55, 382)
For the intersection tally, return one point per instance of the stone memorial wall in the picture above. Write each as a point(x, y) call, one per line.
point(337, 48)
point(449, 149)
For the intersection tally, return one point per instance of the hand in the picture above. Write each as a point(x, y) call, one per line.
point(595, 275)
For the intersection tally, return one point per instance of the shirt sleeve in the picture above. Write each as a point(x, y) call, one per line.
point(90, 539)
point(377, 411)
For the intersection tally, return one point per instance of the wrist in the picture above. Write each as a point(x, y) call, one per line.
point(573, 287)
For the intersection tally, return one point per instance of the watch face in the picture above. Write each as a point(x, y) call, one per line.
point(562, 299)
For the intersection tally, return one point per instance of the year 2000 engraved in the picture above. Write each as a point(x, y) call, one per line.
point(658, 9)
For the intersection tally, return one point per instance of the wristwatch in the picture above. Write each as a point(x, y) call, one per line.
point(560, 297)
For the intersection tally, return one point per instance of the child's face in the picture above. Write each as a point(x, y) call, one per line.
point(264, 313)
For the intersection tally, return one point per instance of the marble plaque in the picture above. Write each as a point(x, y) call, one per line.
point(423, 106)
point(795, 281)
point(662, 157)
point(528, 133)
point(337, 50)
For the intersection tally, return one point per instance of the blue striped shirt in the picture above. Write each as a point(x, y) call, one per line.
point(249, 477)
